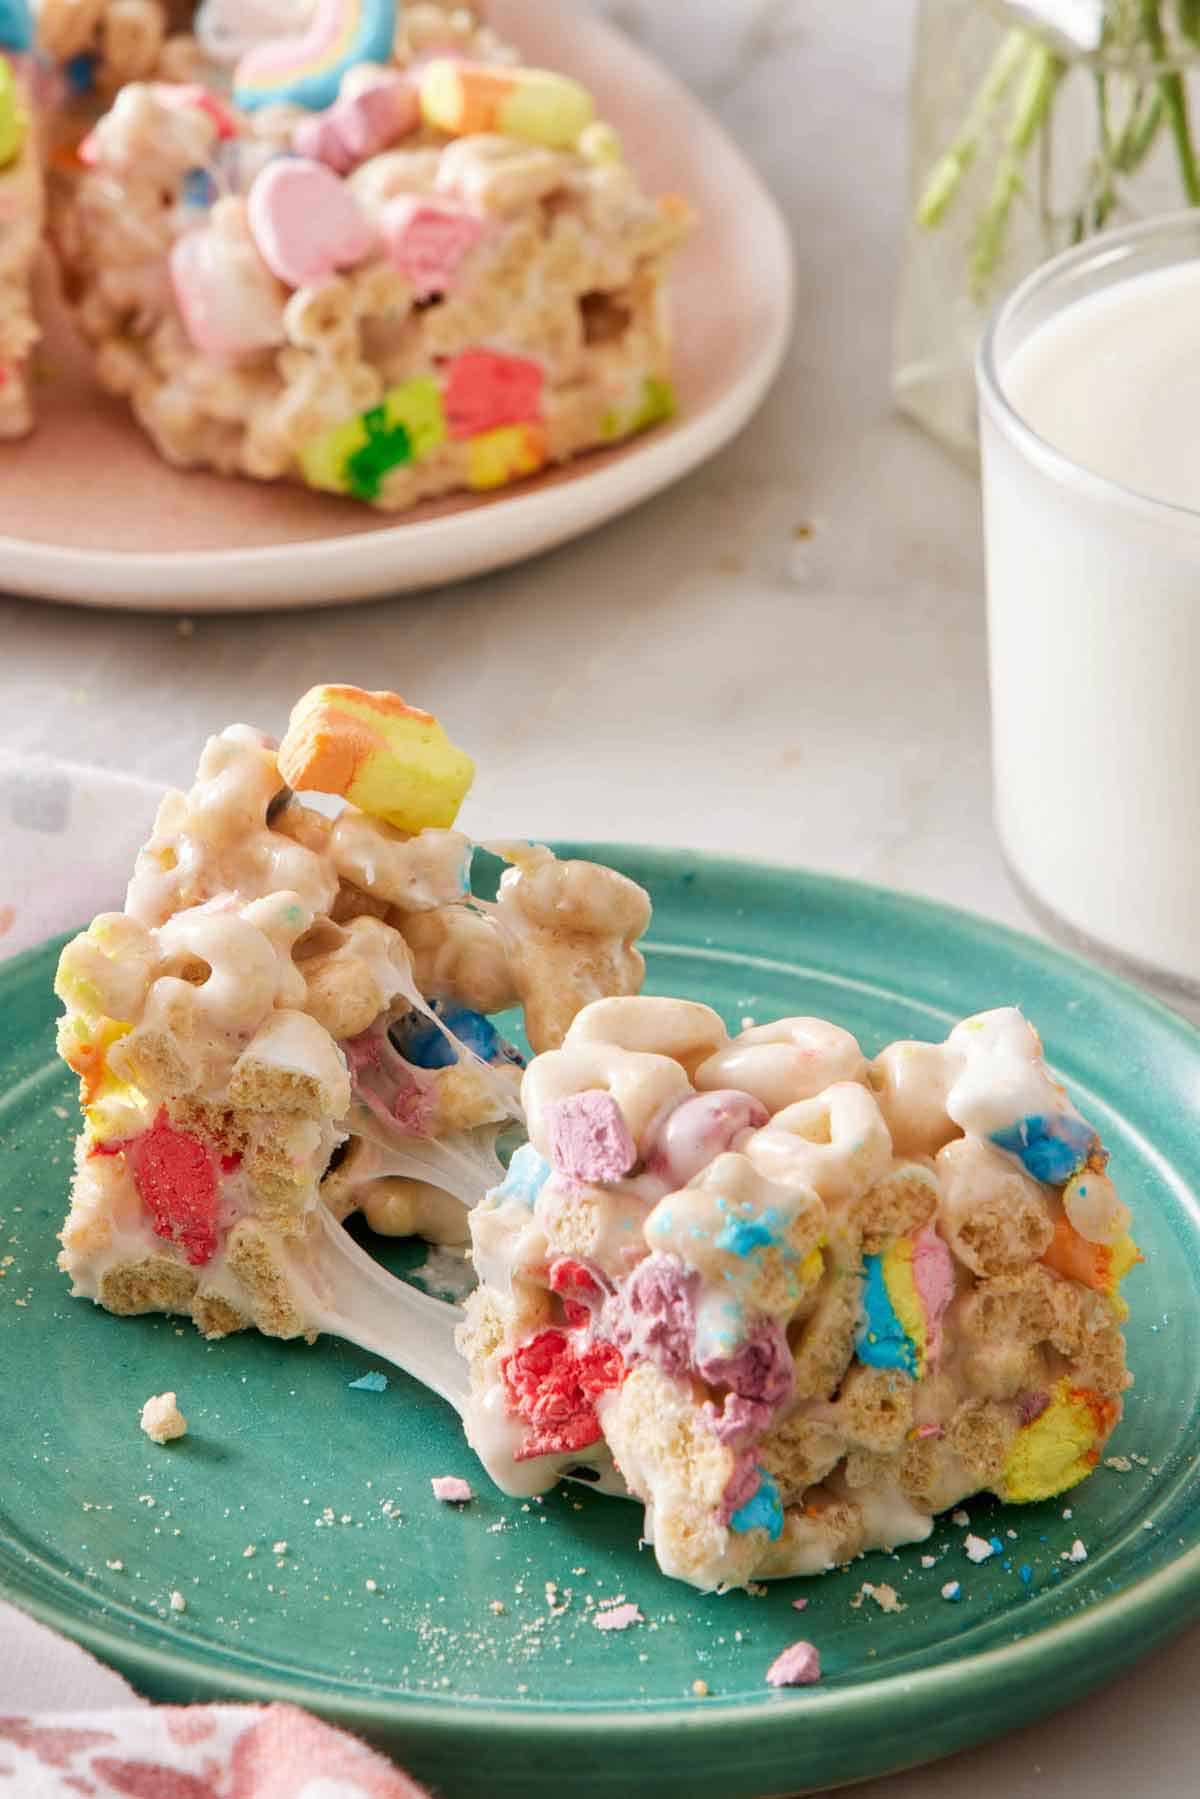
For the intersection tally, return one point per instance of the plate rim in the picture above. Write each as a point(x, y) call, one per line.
point(624, 478)
point(1113, 1631)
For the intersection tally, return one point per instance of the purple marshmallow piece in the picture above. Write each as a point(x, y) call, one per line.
point(589, 1138)
point(652, 1315)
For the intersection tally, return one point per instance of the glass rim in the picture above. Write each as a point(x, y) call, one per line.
point(1104, 247)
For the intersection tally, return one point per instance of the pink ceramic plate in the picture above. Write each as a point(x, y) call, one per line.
point(89, 513)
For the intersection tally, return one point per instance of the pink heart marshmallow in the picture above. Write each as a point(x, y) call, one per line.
point(306, 222)
point(426, 240)
point(230, 304)
point(357, 128)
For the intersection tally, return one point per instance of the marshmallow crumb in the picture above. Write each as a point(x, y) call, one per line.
point(178, 1602)
point(978, 1549)
point(961, 1518)
point(116, 1566)
point(280, 1548)
point(162, 1419)
point(952, 1590)
point(929, 1561)
point(1077, 1552)
point(885, 1597)
point(700, 1688)
point(451, 1490)
point(798, 1666)
point(618, 1617)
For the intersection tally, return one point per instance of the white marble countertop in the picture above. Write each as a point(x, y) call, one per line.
point(815, 700)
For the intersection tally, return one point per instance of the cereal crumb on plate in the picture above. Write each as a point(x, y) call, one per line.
point(162, 1419)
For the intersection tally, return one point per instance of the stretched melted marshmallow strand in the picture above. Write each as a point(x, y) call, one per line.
point(307, 70)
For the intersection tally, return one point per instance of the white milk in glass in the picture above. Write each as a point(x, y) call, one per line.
point(1094, 597)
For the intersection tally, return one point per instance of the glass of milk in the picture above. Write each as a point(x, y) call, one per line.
point(1089, 384)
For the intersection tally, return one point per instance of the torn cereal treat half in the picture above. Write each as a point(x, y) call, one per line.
point(393, 264)
point(798, 1302)
point(289, 1021)
point(21, 217)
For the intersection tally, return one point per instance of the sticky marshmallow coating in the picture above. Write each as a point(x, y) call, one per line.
point(799, 1317)
point(257, 1041)
point(376, 299)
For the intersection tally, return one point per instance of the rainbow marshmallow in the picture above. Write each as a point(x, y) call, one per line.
point(308, 70)
point(389, 759)
point(905, 1295)
point(461, 98)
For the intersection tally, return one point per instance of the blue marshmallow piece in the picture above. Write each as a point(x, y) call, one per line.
point(16, 25)
point(762, 1511)
point(427, 1047)
point(527, 1175)
point(1051, 1147)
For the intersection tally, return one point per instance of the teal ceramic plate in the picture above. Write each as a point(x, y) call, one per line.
point(462, 1658)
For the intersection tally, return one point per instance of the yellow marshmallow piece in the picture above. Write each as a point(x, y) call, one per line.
point(387, 758)
point(1060, 1448)
point(505, 454)
point(14, 125)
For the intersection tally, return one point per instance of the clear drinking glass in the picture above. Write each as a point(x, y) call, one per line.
point(1094, 646)
point(1033, 126)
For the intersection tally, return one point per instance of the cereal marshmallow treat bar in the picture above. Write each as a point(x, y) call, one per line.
point(799, 1302)
point(393, 265)
point(290, 1019)
point(21, 211)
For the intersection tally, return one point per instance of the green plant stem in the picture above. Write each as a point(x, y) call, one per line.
point(1188, 14)
point(1119, 155)
point(1040, 76)
point(1134, 143)
point(945, 177)
point(1174, 93)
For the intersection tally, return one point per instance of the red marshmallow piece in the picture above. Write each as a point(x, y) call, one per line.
point(176, 1179)
point(581, 1289)
point(554, 1388)
point(486, 389)
point(193, 94)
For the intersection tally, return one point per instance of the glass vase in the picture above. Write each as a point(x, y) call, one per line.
point(1032, 127)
